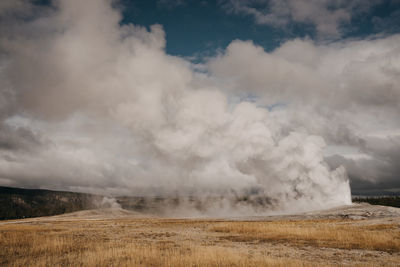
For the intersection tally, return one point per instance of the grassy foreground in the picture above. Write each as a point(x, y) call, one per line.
point(317, 233)
point(173, 242)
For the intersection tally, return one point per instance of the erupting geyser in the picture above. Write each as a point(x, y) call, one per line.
point(88, 104)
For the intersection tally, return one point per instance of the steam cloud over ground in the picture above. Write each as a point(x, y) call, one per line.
point(90, 104)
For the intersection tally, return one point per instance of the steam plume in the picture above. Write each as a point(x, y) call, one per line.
point(92, 105)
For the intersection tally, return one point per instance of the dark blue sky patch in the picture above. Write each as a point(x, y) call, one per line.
point(383, 19)
point(198, 28)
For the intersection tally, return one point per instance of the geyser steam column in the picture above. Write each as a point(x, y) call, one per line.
point(117, 113)
point(242, 153)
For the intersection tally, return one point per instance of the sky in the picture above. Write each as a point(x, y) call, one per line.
point(295, 101)
point(201, 28)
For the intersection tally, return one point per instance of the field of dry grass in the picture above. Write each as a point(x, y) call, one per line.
point(321, 233)
point(189, 242)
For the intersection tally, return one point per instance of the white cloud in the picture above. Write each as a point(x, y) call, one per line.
point(327, 16)
point(347, 92)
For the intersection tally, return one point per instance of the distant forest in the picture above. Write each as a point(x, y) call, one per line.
point(17, 203)
point(393, 201)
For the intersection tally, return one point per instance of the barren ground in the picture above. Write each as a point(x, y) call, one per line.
point(356, 235)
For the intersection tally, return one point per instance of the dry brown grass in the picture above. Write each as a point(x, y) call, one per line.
point(161, 242)
point(322, 233)
point(104, 244)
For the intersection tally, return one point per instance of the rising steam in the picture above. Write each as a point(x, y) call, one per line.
point(92, 105)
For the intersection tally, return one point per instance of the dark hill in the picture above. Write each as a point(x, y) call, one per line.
point(393, 201)
point(16, 203)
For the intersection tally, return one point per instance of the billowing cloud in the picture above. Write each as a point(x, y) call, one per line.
point(348, 92)
point(363, 72)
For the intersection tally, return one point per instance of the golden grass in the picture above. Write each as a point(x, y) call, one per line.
point(161, 242)
point(95, 244)
point(322, 233)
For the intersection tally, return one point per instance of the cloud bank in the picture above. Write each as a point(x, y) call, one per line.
point(90, 105)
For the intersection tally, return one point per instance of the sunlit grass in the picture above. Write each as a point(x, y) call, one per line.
point(315, 233)
point(36, 246)
point(162, 242)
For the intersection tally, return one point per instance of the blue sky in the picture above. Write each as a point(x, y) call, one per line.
point(199, 28)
